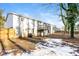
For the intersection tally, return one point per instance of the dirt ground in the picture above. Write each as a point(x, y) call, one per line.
point(28, 44)
point(66, 37)
point(17, 46)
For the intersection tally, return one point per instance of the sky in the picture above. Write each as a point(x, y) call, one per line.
point(45, 12)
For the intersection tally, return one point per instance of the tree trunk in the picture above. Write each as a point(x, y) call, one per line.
point(72, 30)
point(65, 30)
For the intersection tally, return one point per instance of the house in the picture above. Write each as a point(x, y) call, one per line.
point(25, 25)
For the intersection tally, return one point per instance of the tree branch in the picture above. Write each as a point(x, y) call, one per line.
point(61, 5)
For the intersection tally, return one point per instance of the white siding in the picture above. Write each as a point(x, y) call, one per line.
point(46, 32)
point(16, 24)
point(35, 29)
point(24, 26)
point(30, 26)
point(9, 21)
point(52, 30)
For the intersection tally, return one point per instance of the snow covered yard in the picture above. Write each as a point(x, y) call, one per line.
point(53, 47)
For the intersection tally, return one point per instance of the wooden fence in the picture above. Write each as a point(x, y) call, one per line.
point(5, 34)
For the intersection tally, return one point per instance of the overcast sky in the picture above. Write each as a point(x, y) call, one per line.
point(45, 12)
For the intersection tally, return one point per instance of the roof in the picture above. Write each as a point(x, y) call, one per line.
point(26, 17)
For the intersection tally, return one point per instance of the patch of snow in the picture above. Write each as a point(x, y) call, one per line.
point(54, 40)
point(53, 47)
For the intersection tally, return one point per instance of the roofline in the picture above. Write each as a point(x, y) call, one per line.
point(25, 17)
